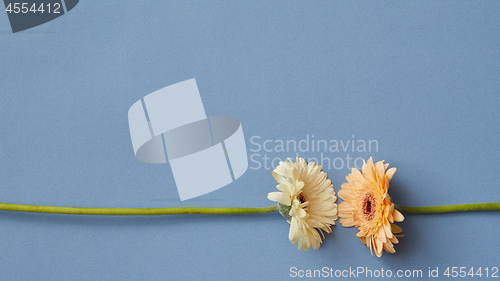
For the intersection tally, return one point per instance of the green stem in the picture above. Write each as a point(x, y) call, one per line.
point(135, 211)
point(223, 210)
point(449, 208)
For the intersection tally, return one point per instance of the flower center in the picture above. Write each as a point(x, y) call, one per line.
point(301, 198)
point(368, 206)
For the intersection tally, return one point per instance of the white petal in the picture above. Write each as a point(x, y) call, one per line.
point(298, 186)
point(279, 178)
point(301, 213)
point(293, 235)
point(279, 197)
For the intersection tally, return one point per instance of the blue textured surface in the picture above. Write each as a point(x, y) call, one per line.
point(421, 78)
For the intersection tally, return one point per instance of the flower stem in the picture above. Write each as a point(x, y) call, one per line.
point(449, 208)
point(135, 211)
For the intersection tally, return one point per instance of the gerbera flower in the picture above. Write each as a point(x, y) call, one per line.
point(306, 199)
point(368, 206)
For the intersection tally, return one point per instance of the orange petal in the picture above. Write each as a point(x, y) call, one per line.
point(381, 234)
point(346, 222)
point(389, 247)
point(378, 247)
point(346, 195)
point(390, 173)
point(398, 216)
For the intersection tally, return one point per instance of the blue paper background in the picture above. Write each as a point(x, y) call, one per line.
point(422, 78)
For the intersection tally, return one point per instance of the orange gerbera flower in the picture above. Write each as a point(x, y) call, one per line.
point(368, 206)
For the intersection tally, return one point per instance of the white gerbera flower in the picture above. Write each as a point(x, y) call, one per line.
point(306, 199)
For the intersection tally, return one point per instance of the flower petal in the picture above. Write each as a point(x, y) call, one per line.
point(298, 186)
point(367, 205)
point(390, 173)
point(279, 178)
point(279, 197)
point(311, 197)
point(293, 235)
point(398, 216)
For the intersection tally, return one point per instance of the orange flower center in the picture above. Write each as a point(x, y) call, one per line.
point(368, 206)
